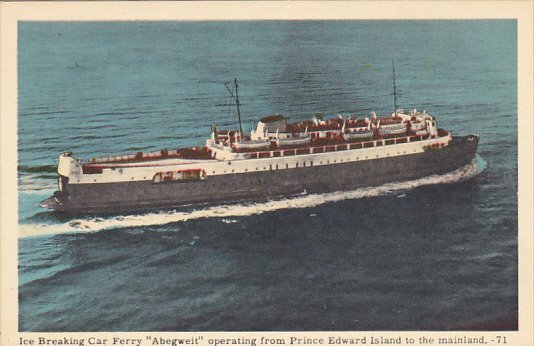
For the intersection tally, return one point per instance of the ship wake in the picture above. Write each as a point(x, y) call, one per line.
point(224, 212)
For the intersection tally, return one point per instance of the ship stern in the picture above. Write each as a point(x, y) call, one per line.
point(67, 167)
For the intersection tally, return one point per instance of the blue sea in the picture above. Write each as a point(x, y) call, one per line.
point(438, 253)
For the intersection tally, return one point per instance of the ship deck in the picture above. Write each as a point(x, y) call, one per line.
point(192, 153)
point(317, 145)
point(358, 143)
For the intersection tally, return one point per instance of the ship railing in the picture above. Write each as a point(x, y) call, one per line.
point(343, 146)
point(137, 156)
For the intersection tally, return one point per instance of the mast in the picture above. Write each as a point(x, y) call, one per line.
point(237, 103)
point(236, 98)
point(394, 89)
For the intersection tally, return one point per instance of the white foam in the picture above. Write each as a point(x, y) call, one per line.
point(245, 209)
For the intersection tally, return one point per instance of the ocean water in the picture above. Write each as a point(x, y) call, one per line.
point(438, 253)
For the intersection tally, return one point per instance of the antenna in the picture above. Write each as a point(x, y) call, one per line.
point(236, 98)
point(394, 89)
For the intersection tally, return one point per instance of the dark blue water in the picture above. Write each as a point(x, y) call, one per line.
point(434, 254)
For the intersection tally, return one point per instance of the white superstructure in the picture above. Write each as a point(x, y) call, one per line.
point(322, 144)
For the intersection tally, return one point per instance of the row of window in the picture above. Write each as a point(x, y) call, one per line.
point(304, 164)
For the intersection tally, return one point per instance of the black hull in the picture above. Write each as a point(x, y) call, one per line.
point(145, 195)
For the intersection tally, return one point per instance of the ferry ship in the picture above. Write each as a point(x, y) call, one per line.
point(275, 159)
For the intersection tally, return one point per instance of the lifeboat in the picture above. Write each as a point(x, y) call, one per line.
point(358, 135)
point(417, 125)
point(252, 144)
point(362, 130)
point(294, 141)
point(391, 126)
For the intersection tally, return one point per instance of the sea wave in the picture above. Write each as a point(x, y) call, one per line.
point(38, 169)
point(245, 209)
point(36, 184)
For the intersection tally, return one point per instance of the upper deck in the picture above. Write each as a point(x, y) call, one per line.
point(274, 137)
point(176, 156)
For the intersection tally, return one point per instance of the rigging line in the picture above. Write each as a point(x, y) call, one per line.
point(236, 98)
point(229, 107)
point(230, 91)
point(394, 89)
